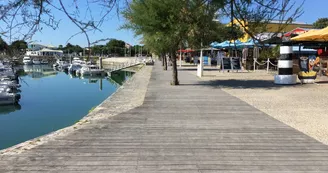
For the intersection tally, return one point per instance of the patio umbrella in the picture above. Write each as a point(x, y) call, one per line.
point(219, 45)
point(313, 35)
point(324, 33)
point(214, 44)
point(229, 44)
point(250, 43)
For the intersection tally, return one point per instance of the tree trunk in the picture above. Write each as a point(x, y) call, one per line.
point(165, 62)
point(162, 59)
point(174, 69)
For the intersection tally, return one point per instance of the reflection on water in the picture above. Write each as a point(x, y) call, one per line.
point(6, 109)
point(39, 71)
point(53, 101)
point(120, 76)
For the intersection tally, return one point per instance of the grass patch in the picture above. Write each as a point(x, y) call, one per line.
point(93, 108)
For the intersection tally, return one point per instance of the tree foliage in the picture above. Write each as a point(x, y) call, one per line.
point(253, 16)
point(3, 45)
point(169, 25)
point(115, 47)
point(269, 52)
point(17, 48)
point(70, 48)
point(21, 19)
point(321, 23)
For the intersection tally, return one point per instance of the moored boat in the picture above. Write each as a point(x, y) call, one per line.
point(36, 61)
point(90, 70)
point(27, 60)
point(74, 67)
point(9, 98)
point(62, 65)
point(44, 61)
point(7, 72)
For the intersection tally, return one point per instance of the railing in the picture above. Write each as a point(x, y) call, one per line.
point(268, 63)
point(125, 65)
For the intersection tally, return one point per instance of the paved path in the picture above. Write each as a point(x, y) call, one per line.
point(189, 128)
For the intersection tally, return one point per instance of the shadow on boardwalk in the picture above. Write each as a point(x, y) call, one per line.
point(234, 83)
point(244, 84)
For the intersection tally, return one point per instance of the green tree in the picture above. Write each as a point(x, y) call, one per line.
point(3, 45)
point(98, 49)
point(116, 47)
point(70, 48)
point(269, 52)
point(167, 25)
point(18, 47)
point(321, 23)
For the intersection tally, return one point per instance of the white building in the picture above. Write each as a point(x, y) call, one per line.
point(35, 49)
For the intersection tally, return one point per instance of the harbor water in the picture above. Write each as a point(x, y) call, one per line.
point(51, 100)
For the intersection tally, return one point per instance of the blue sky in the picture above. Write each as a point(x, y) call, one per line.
point(313, 9)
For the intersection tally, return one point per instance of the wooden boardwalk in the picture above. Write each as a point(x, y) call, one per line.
point(190, 128)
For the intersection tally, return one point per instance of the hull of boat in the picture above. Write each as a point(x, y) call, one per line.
point(36, 62)
point(27, 62)
point(7, 99)
point(92, 73)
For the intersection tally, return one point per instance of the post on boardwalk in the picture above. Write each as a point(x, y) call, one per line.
point(231, 65)
point(200, 65)
point(268, 65)
point(222, 65)
point(285, 66)
point(100, 63)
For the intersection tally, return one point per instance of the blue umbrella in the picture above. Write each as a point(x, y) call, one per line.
point(250, 43)
point(231, 44)
point(226, 44)
point(214, 44)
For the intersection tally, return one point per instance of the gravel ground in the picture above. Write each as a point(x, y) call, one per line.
point(303, 107)
point(127, 97)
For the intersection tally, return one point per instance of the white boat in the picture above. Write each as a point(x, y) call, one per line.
point(44, 61)
point(61, 64)
point(10, 84)
point(7, 72)
point(8, 98)
point(90, 70)
point(74, 67)
point(36, 61)
point(76, 60)
point(27, 60)
point(5, 89)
